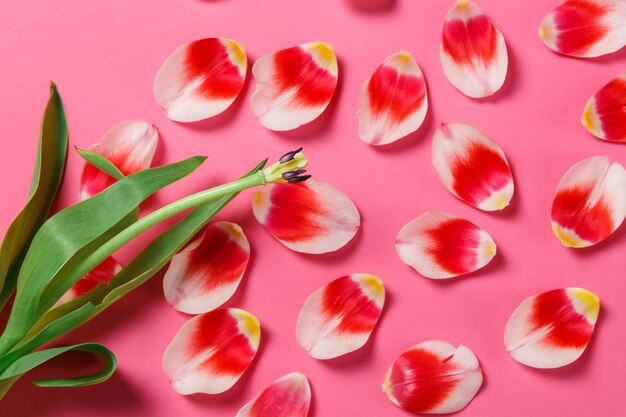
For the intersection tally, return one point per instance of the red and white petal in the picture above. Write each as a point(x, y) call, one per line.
point(472, 166)
point(473, 52)
point(101, 274)
point(434, 378)
point(201, 79)
point(441, 245)
point(552, 329)
point(294, 86)
point(605, 113)
point(394, 101)
point(308, 217)
point(206, 273)
point(211, 351)
point(129, 145)
point(585, 28)
point(340, 317)
point(590, 202)
point(289, 396)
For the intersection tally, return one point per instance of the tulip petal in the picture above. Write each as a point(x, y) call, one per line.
point(100, 275)
point(585, 28)
point(340, 317)
point(201, 79)
point(211, 351)
point(590, 202)
point(605, 113)
point(472, 166)
point(294, 86)
point(308, 217)
point(289, 396)
point(206, 273)
point(393, 101)
point(434, 378)
point(473, 52)
point(552, 329)
point(129, 145)
point(441, 245)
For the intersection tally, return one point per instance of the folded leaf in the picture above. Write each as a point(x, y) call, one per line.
point(552, 329)
point(441, 245)
point(32, 360)
point(289, 396)
point(129, 146)
point(393, 101)
point(434, 378)
point(472, 166)
point(585, 28)
point(590, 202)
point(473, 52)
point(201, 79)
point(294, 86)
point(205, 274)
point(340, 317)
point(309, 217)
point(605, 113)
point(45, 183)
point(211, 351)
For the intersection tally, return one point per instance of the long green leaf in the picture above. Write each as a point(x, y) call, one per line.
point(32, 360)
point(101, 163)
point(60, 245)
point(46, 180)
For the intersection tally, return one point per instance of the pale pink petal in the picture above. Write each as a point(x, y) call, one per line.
point(605, 113)
point(101, 275)
point(289, 396)
point(552, 329)
point(590, 202)
point(294, 86)
point(340, 317)
point(129, 145)
point(206, 273)
point(473, 52)
point(201, 79)
point(309, 217)
point(434, 378)
point(211, 351)
point(472, 166)
point(393, 101)
point(585, 28)
point(441, 245)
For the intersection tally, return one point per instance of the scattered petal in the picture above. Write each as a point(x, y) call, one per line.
point(201, 79)
point(308, 217)
point(211, 351)
point(605, 113)
point(289, 396)
point(473, 52)
point(552, 329)
point(130, 146)
point(100, 275)
point(340, 317)
point(393, 101)
point(294, 86)
point(441, 245)
point(585, 28)
point(433, 378)
point(590, 202)
point(472, 166)
point(206, 273)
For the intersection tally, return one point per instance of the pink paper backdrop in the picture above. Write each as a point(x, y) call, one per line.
point(104, 54)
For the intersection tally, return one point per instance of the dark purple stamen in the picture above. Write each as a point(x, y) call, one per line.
point(289, 156)
point(296, 180)
point(291, 174)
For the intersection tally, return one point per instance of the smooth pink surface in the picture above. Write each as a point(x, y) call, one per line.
point(104, 55)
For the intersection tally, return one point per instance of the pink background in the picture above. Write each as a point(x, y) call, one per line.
point(104, 54)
